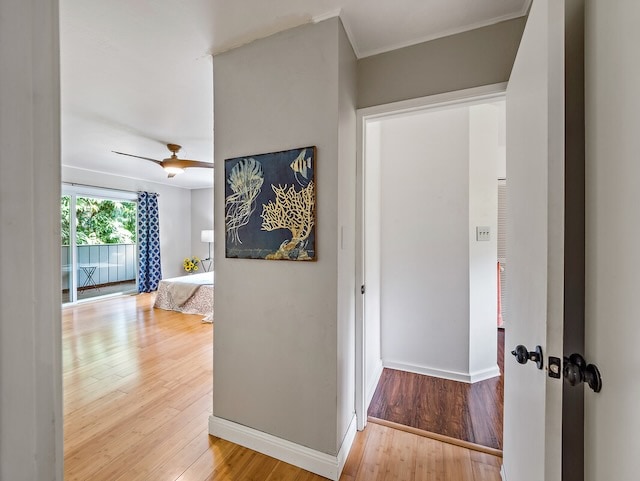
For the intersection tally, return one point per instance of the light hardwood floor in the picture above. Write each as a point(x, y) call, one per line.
point(138, 393)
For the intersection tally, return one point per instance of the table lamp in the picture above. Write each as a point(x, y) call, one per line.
point(207, 236)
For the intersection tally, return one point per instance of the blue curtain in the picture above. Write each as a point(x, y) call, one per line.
point(149, 270)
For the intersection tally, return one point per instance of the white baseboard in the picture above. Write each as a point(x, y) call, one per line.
point(451, 375)
point(503, 473)
point(347, 442)
point(485, 374)
point(372, 383)
point(317, 462)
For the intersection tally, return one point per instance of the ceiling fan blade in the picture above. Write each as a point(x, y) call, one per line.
point(138, 157)
point(195, 163)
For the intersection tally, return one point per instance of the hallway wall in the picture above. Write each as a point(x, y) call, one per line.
point(482, 56)
point(283, 350)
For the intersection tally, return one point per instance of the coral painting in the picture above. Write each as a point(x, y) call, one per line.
point(270, 205)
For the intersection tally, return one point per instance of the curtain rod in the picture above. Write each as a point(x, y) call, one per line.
point(106, 188)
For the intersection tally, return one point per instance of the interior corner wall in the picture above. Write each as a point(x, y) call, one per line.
point(276, 347)
point(484, 151)
point(201, 219)
point(424, 223)
point(483, 56)
point(174, 207)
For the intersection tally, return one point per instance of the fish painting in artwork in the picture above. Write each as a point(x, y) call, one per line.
point(301, 168)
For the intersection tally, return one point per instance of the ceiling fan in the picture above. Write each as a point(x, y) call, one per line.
point(173, 165)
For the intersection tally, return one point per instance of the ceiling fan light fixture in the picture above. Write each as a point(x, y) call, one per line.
point(173, 165)
point(174, 170)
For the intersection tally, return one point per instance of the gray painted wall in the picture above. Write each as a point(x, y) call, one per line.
point(201, 219)
point(424, 244)
point(484, 151)
point(482, 56)
point(277, 357)
point(612, 75)
point(30, 325)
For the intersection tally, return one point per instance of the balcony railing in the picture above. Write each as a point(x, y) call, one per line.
point(106, 263)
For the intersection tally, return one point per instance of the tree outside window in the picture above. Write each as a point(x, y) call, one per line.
point(99, 221)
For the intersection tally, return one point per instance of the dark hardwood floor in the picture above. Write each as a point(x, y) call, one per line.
point(468, 412)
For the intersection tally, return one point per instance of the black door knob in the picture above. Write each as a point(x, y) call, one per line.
point(592, 377)
point(573, 373)
point(522, 355)
point(576, 371)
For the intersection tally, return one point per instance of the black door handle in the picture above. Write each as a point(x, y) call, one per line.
point(522, 355)
point(576, 371)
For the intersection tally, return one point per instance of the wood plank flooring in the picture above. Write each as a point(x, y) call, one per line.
point(384, 454)
point(469, 412)
point(138, 392)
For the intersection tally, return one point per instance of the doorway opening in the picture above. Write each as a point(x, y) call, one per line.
point(429, 350)
point(98, 243)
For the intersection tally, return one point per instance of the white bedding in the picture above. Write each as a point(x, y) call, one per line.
point(172, 293)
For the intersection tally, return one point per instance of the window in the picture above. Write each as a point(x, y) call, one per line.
point(98, 242)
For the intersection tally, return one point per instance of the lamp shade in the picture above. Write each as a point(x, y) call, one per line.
point(206, 236)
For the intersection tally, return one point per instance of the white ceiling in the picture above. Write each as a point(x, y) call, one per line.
point(138, 74)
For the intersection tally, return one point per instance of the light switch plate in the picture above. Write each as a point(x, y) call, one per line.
point(483, 233)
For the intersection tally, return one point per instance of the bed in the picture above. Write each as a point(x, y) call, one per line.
point(192, 294)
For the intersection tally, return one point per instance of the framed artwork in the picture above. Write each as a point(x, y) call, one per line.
point(270, 206)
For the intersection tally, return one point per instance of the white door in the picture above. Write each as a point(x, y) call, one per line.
point(546, 279)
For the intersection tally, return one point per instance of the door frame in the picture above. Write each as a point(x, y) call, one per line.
point(75, 190)
point(363, 116)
